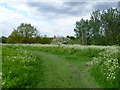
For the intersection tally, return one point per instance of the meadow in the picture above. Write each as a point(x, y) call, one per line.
point(59, 66)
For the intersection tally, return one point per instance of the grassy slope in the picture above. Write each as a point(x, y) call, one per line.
point(60, 67)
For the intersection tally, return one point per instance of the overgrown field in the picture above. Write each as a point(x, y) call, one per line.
point(63, 66)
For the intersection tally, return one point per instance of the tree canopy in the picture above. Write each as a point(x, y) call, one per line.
point(3, 39)
point(23, 34)
point(103, 28)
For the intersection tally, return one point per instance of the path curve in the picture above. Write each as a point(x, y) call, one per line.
point(59, 73)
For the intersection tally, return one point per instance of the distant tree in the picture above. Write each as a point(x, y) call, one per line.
point(46, 40)
point(71, 37)
point(23, 34)
point(73, 40)
point(0, 39)
point(3, 39)
point(15, 37)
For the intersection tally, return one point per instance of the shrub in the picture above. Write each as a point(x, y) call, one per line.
point(60, 40)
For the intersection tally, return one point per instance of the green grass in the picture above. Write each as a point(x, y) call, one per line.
point(27, 66)
point(105, 70)
point(0, 66)
point(19, 68)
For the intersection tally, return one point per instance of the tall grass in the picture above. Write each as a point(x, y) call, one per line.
point(105, 68)
point(19, 68)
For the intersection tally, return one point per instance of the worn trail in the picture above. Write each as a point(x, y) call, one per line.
point(60, 73)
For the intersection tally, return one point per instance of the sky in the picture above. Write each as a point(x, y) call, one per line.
point(56, 17)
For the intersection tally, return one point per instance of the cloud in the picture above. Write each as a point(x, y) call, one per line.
point(10, 19)
point(59, 1)
point(105, 5)
point(50, 18)
point(54, 10)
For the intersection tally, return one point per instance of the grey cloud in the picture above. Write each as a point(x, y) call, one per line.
point(75, 3)
point(105, 5)
point(67, 8)
point(57, 10)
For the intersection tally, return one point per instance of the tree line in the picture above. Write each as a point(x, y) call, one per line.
point(103, 28)
point(26, 33)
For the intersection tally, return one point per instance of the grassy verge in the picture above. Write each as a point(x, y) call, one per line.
point(19, 68)
point(105, 68)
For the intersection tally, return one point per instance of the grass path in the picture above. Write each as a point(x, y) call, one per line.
point(60, 73)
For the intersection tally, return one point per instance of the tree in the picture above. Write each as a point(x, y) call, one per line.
point(95, 22)
point(15, 37)
point(3, 39)
point(103, 28)
point(82, 31)
point(23, 34)
point(97, 30)
point(111, 25)
point(71, 37)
